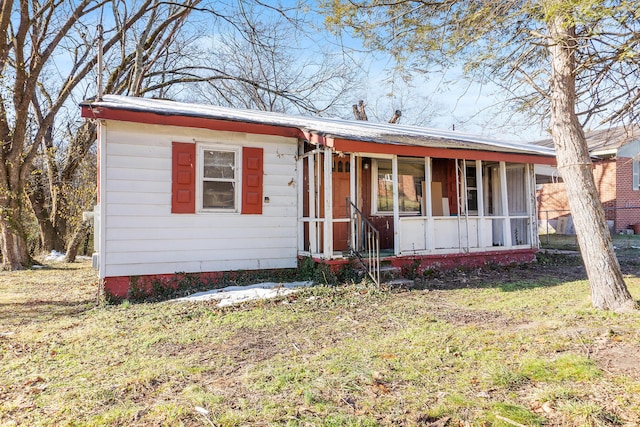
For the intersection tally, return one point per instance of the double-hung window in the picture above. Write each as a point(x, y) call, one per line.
point(636, 174)
point(219, 179)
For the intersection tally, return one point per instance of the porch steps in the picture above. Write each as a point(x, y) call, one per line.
point(400, 283)
point(389, 273)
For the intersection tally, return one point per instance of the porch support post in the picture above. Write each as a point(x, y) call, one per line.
point(396, 206)
point(301, 195)
point(428, 206)
point(465, 199)
point(532, 208)
point(353, 197)
point(480, 200)
point(328, 205)
point(505, 205)
point(313, 225)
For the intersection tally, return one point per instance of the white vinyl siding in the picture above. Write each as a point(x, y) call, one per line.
point(142, 236)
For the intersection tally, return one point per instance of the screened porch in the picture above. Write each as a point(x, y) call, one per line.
point(418, 205)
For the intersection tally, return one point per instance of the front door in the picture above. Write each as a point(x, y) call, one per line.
point(341, 189)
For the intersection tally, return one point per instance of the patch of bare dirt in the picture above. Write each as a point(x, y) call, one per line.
point(551, 267)
point(246, 347)
point(460, 316)
point(568, 269)
point(619, 358)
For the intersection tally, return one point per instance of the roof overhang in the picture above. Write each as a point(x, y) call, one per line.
point(342, 135)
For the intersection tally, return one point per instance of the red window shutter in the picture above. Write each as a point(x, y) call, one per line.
point(252, 171)
point(183, 182)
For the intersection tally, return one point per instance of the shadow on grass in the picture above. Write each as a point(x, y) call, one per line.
point(42, 310)
point(550, 269)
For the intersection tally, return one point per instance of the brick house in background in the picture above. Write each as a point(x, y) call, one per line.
point(616, 159)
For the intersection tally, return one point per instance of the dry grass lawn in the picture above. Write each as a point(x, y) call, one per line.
point(504, 347)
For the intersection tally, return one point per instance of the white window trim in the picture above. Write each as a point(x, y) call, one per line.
point(636, 174)
point(209, 146)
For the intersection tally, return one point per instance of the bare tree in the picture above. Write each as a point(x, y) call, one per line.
point(579, 57)
point(270, 62)
point(151, 49)
point(138, 65)
point(33, 36)
point(359, 111)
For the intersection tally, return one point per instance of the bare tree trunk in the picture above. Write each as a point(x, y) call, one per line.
point(15, 255)
point(608, 290)
point(51, 232)
point(396, 116)
point(359, 111)
point(363, 113)
point(79, 234)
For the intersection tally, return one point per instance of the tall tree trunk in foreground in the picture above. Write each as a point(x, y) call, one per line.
point(15, 254)
point(608, 290)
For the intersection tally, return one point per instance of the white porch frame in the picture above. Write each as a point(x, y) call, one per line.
point(473, 232)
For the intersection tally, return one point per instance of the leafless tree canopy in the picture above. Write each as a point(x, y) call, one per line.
point(506, 42)
point(151, 48)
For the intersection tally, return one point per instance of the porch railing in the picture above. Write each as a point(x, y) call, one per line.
point(364, 241)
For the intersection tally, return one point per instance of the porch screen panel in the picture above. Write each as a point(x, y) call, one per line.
point(492, 190)
point(493, 201)
point(517, 194)
point(516, 189)
point(520, 231)
point(410, 178)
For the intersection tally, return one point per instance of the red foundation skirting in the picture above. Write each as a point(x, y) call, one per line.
point(449, 261)
point(123, 286)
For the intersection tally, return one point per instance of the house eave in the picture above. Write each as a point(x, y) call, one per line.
point(604, 153)
point(346, 135)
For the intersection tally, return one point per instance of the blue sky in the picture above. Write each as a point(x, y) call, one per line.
point(442, 101)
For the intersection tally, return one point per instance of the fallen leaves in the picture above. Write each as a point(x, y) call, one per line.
point(379, 387)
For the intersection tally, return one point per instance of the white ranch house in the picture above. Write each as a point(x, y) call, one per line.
point(204, 189)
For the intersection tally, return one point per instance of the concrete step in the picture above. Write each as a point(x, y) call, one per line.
point(389, 273)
